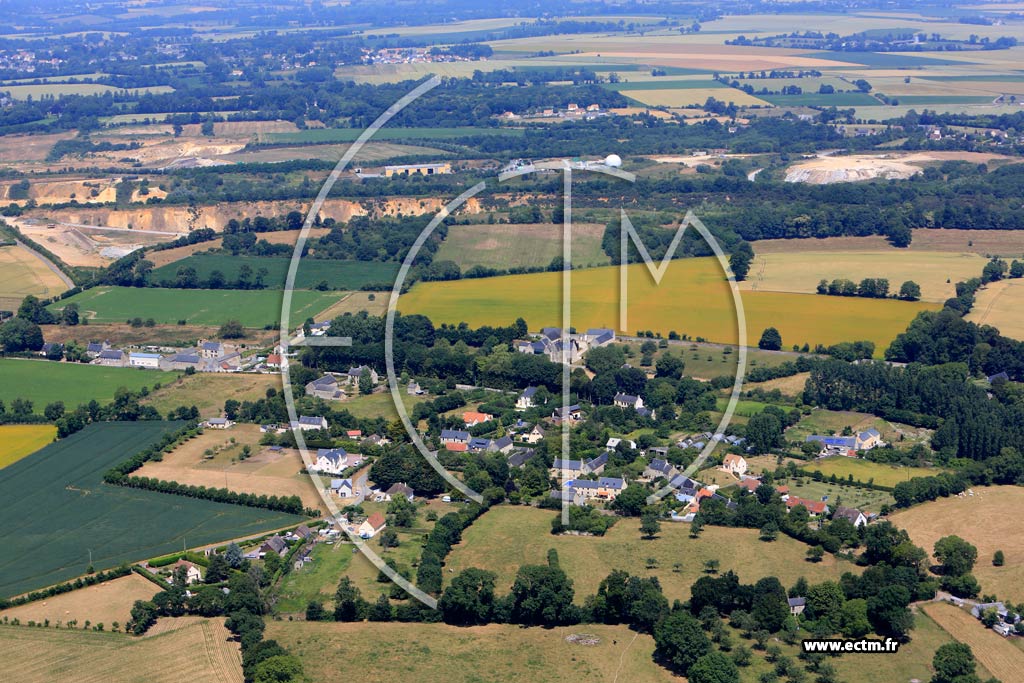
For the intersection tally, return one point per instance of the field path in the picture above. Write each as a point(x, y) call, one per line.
point(997, 654)
point(48, 263)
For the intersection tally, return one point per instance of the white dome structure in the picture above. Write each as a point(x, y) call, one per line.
point(613, 160)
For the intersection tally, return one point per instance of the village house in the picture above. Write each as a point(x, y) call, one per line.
point(566, 469)
point(597, 465)
point(659, 468)
point(148, 361)
point(613, 443)
point(750, 484)
point(274, 544)
point(519, 456)
point(96, 348)
point(571, 413)
point(319, 329)
point(354, 374)
point(112, 358)
point(213, 350)
point(604, 489)
point(735, 465)
point(797, 605)
point(193, 574)
point(815, 508)
point(525, 400)
point(373, 525)
point(273, 361)
point(335, 460)
point(343, 488)
point(628, 401)
point(853, 515)
point(413, 389)
point(219, 423)
point(326, 388)
point(599, 336)
point(473, 418)
point(534, 435)
point(399, 489)
point(843, 445)
point(307, 423)
point(451, 437)
point(181, 361)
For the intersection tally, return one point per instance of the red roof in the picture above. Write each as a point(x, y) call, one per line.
point(750, 484)
point(354, 432)
point(274, 359)
point(816, 507)
point(456, 447)
point(782, 489)
point(376, 520)
point(472, 417)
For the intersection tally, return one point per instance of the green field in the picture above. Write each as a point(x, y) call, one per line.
point(17, 441)
point(253, 308)
point(813, 99)
point(866, 500)
point(350, 134)
point(57, 509)
point(693, 298)
point(44, 382)
point(520, 246)
point(506, 537)
point(338, 274)
point(865, 470)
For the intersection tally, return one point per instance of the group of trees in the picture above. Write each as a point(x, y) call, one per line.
point(871, 288)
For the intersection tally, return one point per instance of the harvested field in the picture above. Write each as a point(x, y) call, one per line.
point(1006, 243)
point(197, 651)
point(368, 153)
point(266, 472)
point(997, 654)
point(801, 271)
point(374, 303)
point(103, 603)
point(520, 246)
point(684, 97)
point(17, 441)
point(989, 520)
point(788, 386)
point(438, 652)
point(23, 273)
point(208, 391)
point(1000, 304)
point(161, 335)
point(506, 537)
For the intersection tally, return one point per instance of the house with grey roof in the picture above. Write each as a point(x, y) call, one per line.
point(326, 388)
point(308, 423)
point(353, 375)
point(112, 358)
point(566, 468)
point(335, 460)
point(659, 468)
point(180, 361)
point(519, 456)
point(449, 436)
point(596, 465)
point(526, 400)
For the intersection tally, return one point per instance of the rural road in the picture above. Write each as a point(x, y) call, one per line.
point(48, 263)
point(110, 229)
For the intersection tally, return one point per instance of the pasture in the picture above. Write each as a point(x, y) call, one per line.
point(801, 271)
point(207, 391)
point(117, 524)
point(999, 304)
point(42, 655)
point(1006, 243)
point(998, 655)
point(438, 652)
point(17, 441)
point(864, 470)
point(45, 382)
point(989, 520)
point(837, 494)
point(520, 246)
point(706, 360)
point(253, 307)
point(22, 92)
point(103, 603)
point(337, 274)
point(686, 97)
point(506, 537)
point(21, 274)
point(693, 298)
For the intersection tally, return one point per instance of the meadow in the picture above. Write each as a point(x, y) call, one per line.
point(801, 271)
point(21, 274)
point(207, 391)
point(116, 524)
point(996, 654)
point(337, 274)
point(989, 519)
point(42, 655)
point(685, 97)
point(17, 441)
point(498, 652)
point(520, 246)
point(999, 304)
point(36, 91)
point(1006, 243)
point(44, 382)
point(253, 307)
point(506, 537)
point(866, 500)
point(693, 298)
point(865, 470)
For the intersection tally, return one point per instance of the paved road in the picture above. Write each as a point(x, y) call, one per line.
point(49, 264)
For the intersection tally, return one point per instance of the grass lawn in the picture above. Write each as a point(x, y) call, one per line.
point(44, 382)
point(520, 246)
point(499, 652)
point(195, 650)
point(253, 308)
point(380, 404)
point(693, 298)
point(822, 421)
point(17, 441)
point(989, 519)
point(316, 580)
point(506, 537)
point(801, 271)
point(706, 360)
point(865, 470)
